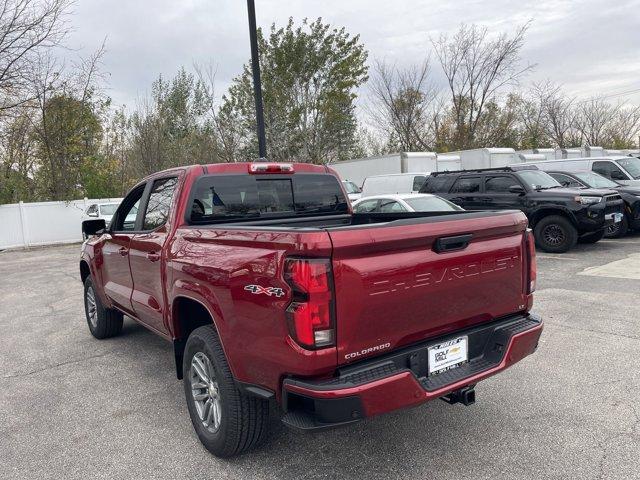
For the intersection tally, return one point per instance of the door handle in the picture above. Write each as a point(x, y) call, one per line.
point(450, 244)
point(123, 251)
point(153, 256)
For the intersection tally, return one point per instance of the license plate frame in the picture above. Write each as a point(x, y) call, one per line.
point(448, 355)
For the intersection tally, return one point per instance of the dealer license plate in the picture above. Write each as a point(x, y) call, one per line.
point(448, 355)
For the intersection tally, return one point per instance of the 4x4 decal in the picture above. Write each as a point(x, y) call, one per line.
point(269, 291)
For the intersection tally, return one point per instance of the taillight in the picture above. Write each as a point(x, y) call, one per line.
point(310, 314)
point(270, 168)
point(531, 261)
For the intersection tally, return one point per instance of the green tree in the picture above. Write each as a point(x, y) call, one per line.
point(68, 133)
point(310, 76)
point(170, 128)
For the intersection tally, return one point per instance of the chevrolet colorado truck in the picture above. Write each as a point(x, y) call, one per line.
point(272, 290)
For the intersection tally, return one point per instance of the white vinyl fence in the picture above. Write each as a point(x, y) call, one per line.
point(44, 223)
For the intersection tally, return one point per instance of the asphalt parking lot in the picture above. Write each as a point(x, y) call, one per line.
point(75, 407)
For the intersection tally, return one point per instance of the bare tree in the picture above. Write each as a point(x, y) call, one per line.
point(624, 128)
point(477, 68)
point(558, 114)
point(27, 29)
point(593, 119)
point(530, 113)
point(403, 105)
point(228, 132)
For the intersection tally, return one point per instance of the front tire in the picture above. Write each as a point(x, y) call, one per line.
point(226, 421)
point(103, 322)
point(555, 234)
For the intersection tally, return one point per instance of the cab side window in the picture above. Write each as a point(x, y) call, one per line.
point(159, 203)
point(466, 185)
point(609, 170)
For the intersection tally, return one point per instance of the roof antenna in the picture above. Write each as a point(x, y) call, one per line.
point(257, 83)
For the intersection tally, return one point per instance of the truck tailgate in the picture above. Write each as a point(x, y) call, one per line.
point(393, 288)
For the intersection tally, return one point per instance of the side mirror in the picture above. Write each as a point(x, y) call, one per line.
point(93, 227)
point(519, 189)
point(617, 175)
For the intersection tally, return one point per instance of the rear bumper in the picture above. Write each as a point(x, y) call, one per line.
point(399, 379)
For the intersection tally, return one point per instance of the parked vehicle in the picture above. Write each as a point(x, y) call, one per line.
point(393, 184)
point(404, 203)
point(100, 210)
point(403, 162)
point(559, 216)
point(353, 191)
point(623, 170)
point(105, 212)
point(630, 196)
point(272, 290)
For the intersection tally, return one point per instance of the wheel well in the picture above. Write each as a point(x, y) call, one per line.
point(187, 315)
point(538, 215)
point(85, 271)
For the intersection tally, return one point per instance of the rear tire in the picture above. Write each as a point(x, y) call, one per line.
point(618, 230)
point(592, 237)
point(226, 421)
point(555, 234)
point(103, 322)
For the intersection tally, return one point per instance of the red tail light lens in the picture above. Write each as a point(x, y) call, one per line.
point(310, 314)
point(531, 262)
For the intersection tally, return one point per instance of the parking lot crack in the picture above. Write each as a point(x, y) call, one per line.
point(51, 367)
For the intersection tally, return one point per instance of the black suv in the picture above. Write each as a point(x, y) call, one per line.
point(630, 195)
point(559, 216)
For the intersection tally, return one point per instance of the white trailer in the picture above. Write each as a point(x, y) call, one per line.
point(613, 153)
point(549, 153)
point(448, 163)
point(486, 158)
point(630, 152)
point(562, 153)
point(531, 157)
point(405, 162)
point(592, 151)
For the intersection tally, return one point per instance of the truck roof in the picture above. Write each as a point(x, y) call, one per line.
point(242, 167)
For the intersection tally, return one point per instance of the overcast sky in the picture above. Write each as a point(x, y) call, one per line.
point(590, 46)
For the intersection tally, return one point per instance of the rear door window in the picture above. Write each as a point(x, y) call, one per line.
point(159, 203)
point(231, 197)
point(466, 185)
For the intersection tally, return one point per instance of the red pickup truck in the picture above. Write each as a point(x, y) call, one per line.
point(272, 290)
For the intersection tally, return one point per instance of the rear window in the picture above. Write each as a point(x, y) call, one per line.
point(219, 198)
